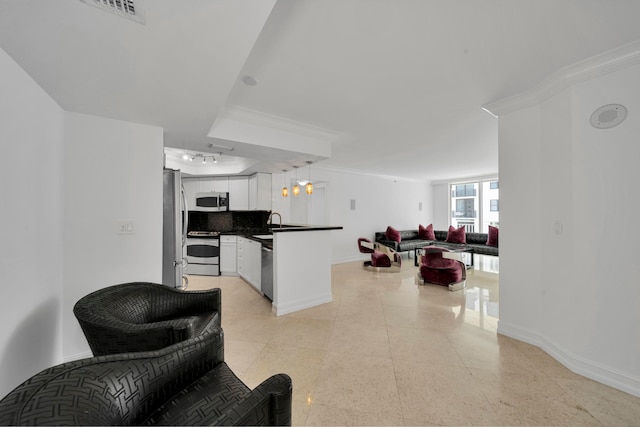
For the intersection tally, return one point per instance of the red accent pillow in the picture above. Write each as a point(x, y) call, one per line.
point(456, 235)
point(426, 233)
point(492, 239)
point(392, 234)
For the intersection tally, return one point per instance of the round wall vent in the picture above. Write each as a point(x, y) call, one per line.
point(608, 116)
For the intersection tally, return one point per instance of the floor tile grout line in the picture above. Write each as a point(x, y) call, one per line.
point(354, 282)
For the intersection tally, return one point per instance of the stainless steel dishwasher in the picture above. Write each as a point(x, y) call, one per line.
point(266, 278)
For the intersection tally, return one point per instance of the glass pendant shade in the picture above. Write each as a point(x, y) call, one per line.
point(295, 189)
point(285, 190)
point(309, 186)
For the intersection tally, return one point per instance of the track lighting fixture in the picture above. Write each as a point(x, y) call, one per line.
point(198, 156)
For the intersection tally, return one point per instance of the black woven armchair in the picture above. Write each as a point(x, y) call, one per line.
point(143, 316)
point(187, 383)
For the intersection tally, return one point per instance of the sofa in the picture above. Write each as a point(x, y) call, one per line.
point(187, 383)
point(410, 240)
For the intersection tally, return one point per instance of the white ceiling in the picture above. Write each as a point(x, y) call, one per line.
point(392, 87)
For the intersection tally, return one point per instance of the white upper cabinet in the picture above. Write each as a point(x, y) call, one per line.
point(245, 193)
point(218, 184)
point(260, 191)
point(191, 187)
point(221, 184)
point(238, 193)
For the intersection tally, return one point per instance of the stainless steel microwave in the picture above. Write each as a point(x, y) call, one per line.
point(212, 201)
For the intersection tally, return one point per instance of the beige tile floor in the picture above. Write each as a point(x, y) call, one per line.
point(389, 352)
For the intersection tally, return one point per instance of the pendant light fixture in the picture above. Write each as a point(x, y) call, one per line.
point(285, 190)
point(296, 190)
point(309, 186)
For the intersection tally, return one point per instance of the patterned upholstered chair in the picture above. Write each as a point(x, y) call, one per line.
point(442, 267)
point(187, 383)
point(142, 316)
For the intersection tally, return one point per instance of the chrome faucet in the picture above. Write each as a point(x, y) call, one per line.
point(270, 220)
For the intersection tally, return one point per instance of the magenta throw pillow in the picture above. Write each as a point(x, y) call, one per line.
point(456, 235)
point(392, 234)
point(492, 239)
point(426, 233)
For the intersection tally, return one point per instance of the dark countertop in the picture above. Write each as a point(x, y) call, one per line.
point(289, 227)
point(250, 233)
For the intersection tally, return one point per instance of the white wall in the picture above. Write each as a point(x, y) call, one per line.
point(605, 245)
point(66, 180)
point(556, 211)
point(379, 202)
point(568, 279)
point(520, 272)
point(112, 172)
point(441, 206)
point(31, 255)
point(278, 203)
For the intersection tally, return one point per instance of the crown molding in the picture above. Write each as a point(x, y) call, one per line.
point(598, 65)
point(337, 169)
point(467, 179)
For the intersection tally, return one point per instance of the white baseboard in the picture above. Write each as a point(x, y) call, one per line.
point(350, 259)
point(587, 368)
point(301, 304)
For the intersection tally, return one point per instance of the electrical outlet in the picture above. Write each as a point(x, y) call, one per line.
point(558, 227)
point(125, 227)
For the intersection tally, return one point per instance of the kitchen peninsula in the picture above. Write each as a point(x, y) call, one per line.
point(289, 264)
point(301, 267)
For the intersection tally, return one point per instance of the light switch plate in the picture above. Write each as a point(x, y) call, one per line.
point(125, 227)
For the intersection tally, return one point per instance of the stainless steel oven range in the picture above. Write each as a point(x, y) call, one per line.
point(203, 253)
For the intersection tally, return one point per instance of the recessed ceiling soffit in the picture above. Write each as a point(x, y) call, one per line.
point(257, 128)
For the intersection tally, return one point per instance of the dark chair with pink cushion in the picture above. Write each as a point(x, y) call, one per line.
point(381, 256)
point(442, 267)
point(367, 247)
point(378, 259)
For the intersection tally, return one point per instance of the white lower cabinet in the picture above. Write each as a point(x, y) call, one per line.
point(241, 264)
point(255, 266)
point(228, 255)
point(250, 262)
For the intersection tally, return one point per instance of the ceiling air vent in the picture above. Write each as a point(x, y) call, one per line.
point(131, 9)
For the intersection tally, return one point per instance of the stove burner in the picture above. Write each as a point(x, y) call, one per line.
point(203, 233)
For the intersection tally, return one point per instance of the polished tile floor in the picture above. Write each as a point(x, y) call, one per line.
point(389, 352)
